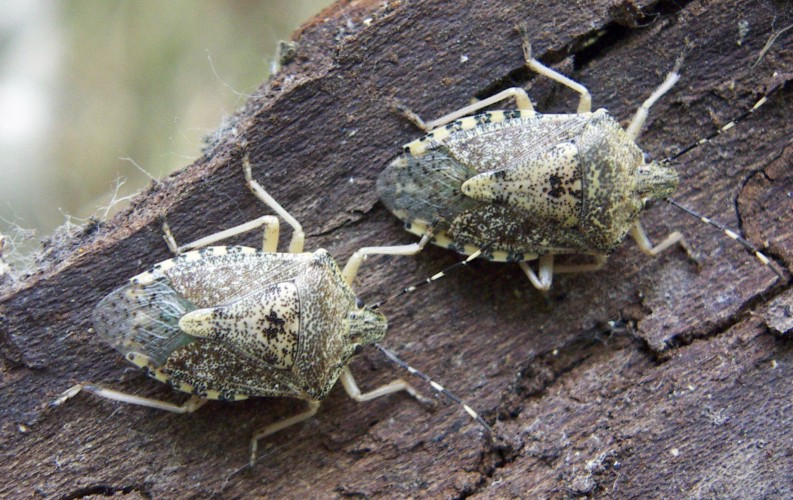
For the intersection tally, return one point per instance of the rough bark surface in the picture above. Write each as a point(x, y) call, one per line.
point(688, 394)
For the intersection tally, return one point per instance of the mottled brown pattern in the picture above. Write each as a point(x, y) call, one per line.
point(513, 142)
point(264, 324)
point(515, 235)
point(545, 187)
point(270, 324)
point(610, 163)
point(219, 279)
point(327, 341)
point(531, 196)
point(212, 365)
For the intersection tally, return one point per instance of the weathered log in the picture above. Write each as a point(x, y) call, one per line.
point(687, 393)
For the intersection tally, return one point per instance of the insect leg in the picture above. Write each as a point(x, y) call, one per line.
point(730, 233)
point(313, 407)
point(188, 406)
point(351, 269)
point(298, 236)
point(638, 234)
point(522, 102)
point(597, 265)
point(348, 381)
point(270, 223)
point(270, 239)
point(545, 270)
point(584, 102)
point(635, 128)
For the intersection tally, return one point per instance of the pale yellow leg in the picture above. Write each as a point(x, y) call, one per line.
point(638, 234)
point(348, 381)
point(522, 102)
point(635, 128)
point(353, 265)
point(545, 270)
point(269, 240)
point(349, 384)
point(270, 223)
point(585, 99)
point(298, 236)
point(313, 407)
point(188, 406)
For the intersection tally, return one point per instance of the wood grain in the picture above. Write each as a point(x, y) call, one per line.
point(687, 394)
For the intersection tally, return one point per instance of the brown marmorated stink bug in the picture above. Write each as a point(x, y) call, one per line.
point(231, 322)
point(532, 186)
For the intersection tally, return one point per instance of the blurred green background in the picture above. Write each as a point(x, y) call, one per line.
point(89, 88)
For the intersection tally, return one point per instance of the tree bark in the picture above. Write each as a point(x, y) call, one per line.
point(652, 377)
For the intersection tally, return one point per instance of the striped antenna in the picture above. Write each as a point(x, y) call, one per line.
point(437, 387)
point(731, 234)
point(725, 128)
point(434, 277)
point(397, 361)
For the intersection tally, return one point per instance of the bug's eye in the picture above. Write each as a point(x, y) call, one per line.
point(358, 349)
point(359, 303)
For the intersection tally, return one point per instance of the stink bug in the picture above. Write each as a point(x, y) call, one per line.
point(231, 322)
point(532, 186)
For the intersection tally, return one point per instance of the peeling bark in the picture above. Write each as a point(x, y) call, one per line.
point(687, 393)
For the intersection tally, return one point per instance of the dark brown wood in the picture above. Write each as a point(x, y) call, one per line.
point(689, 393)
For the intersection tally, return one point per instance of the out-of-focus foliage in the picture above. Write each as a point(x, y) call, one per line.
point(85, 84)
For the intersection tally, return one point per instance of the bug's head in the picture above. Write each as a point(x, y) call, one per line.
point(367, 326)
point(655, 181)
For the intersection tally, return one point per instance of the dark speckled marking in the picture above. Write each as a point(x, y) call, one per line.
point(577, 198)
point(262, 324)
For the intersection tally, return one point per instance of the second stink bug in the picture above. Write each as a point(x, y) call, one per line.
point(533, 186)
